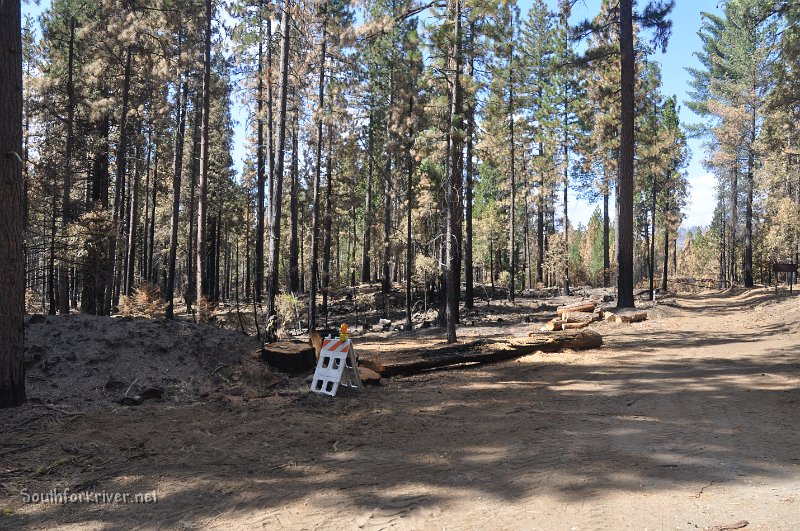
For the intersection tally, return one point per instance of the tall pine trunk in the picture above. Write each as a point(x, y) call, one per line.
point(748, 220)
point(180, 105)
point(202, 200)
point(115, 251)
point(512, 247)
point(312, 302)
point(454, 178)
point(260, 173)
point(625, 185)
point(409, 205)
point(63, 284)
point(606, 230)
point(469, 273)
point(276, 200)
point(12, 288)
point(326, 228)
point(366, 268)
point(664, 278)
point(133, 221)
point(294, 205)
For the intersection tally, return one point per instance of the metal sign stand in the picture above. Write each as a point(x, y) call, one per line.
point(337, 366)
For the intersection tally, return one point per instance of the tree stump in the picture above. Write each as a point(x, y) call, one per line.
point(290, 356)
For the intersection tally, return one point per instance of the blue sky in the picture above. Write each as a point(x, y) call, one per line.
point(686, 22)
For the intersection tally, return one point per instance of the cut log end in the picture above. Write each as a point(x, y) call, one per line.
point(290, 356)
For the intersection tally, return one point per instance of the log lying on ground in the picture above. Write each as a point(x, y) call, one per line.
point(554, 325)
point(630, 317)
point(416, 361)
point(579, 317)
point(574, 326)
point(290, 356)
point(368, 376)
point(583, 306)
point(579, 340)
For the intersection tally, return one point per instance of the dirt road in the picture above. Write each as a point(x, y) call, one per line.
point(687, 421)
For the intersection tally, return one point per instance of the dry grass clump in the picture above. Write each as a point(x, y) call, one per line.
point(146, 301)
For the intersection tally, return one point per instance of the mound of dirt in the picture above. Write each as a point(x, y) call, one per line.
point(85, 363)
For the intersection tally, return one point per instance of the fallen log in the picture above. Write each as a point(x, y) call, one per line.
point(583, 306)
point(368, 376)
point(290, 356)
point(577, 317)
point(580, 340)
point(486, 351)
point(575, 326)
point(630, 317)
point(554, 325)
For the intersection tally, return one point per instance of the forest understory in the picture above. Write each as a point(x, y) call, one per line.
point(684, 421)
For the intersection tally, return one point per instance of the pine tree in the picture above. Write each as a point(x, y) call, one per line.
point(12, 307)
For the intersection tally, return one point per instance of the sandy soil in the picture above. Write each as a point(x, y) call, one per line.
point(687, 421)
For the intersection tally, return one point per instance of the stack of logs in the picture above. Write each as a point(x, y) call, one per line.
point(582, 314)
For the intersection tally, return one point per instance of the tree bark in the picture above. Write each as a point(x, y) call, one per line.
point(12, 284)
